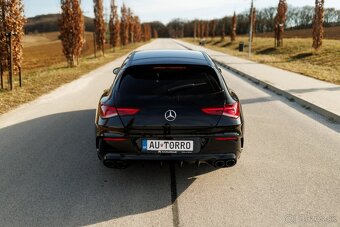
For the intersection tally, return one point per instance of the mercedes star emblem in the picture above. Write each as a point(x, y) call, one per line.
point(170, 115)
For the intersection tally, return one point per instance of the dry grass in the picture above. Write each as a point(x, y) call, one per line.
point(296, 55)
point(330, 33)
point(45, 69)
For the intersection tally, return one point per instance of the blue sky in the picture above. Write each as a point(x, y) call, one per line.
point(150, 10)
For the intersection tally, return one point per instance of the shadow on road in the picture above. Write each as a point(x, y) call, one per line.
point(50, 175)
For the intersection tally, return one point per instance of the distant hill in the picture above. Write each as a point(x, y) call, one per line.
point(49, 23)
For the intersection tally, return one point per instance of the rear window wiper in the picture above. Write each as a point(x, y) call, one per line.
point(185, 86)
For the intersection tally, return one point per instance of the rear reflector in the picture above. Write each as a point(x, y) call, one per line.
point(127, 111)
point(225, 138)
point(115, 139)
point(111, 111)
point(229, 110)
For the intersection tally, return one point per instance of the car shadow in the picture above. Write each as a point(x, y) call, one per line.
point(50, 176)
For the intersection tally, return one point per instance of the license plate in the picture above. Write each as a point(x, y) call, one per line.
point(168, 146)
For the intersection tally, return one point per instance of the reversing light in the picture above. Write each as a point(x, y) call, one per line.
point(229, 110)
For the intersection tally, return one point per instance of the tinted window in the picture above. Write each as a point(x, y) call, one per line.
point(162, 80)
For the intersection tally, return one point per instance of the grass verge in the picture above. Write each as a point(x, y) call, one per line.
point(296, 55)
point(42, 80)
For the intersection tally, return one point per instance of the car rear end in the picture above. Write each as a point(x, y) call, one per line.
point(169, 112)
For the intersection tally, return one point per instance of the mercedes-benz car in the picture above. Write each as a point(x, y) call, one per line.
point(169, 105)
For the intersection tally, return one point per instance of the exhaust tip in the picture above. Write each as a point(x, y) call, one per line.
point(230, 163)
point(120, 164)
point(110, 164)
point(219, 163)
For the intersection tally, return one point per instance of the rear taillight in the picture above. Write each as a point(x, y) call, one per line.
point(111, 111)
point(229, 110)
point(108, 111)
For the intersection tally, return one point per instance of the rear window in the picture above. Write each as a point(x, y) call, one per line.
point(169, 80)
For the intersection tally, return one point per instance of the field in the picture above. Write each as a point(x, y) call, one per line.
point(330, 33)
point(44, 67)
point(296, 55)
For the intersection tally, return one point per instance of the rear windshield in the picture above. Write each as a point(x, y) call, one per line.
point(169, 80)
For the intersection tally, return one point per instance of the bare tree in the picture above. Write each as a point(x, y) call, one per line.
point(213, 28)
point(99, 24)
point(114, 26)
point(206, 29)
point(12, 22)
point(131, 24)
point(233, 28)
point(202, 30)
point(124, 33)
point(318, 30)
point(280, 21)
point(223, 30)
point(199, 29)
point(252, 21)
point(137, 30)
point(71, 27)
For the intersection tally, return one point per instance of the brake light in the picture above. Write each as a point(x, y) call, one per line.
point(225, 138)
point(229, 110)
point(115, 139)
point(111, 111)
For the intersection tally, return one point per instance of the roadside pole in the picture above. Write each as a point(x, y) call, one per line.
point(251, 27)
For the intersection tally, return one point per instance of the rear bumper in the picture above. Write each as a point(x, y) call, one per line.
point(170, 157)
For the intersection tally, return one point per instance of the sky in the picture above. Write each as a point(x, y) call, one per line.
point(165, 11)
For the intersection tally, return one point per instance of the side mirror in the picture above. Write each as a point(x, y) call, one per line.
point(219, 69)
point(116, 70)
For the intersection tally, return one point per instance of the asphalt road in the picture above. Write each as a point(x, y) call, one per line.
point(289, 172)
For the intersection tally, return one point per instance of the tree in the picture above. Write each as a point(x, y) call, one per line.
point(114, 26)
point(207, 29)
point(131, 24)
point(99, 24)
point(233, 28)
point(318, 30)
point(12, 21)
point(124, 33)
point(213, 28)
point(280, 21)
point(71, 27)
point(223, 30)
point(252, 21)
point(146, 32)
point(137, 30)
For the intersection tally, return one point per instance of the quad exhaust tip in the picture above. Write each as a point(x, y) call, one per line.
point(224, 163)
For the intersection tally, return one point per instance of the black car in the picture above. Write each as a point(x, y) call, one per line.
point(169, 105)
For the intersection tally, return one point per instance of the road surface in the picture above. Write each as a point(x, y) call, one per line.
point(289, 172)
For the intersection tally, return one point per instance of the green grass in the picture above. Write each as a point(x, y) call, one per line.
point(296, 55)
